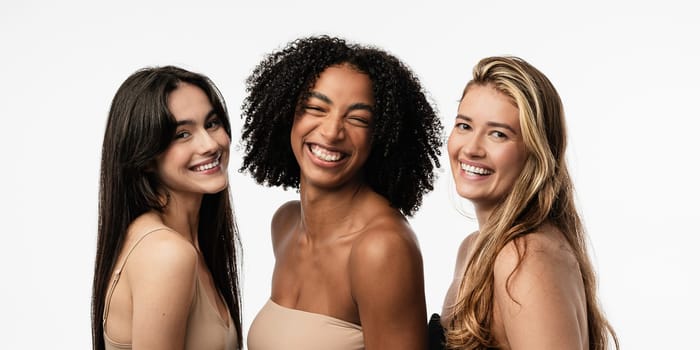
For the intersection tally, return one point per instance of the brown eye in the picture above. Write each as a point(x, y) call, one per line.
point(214, 123)
point(499, 135)
point(182, 135)
point(463, 126)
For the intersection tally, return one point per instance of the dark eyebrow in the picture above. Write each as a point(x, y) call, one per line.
point(354, 106)
point(361, 106)
point(494, 124)
point(190, 121)
point(321, 97)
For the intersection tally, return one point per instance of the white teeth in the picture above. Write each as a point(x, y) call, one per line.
point(207, 166)
point(475, 170)
point(325, 154)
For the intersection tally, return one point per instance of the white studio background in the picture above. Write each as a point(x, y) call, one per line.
point(627, 73)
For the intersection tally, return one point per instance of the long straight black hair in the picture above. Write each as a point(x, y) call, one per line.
point(139, 128)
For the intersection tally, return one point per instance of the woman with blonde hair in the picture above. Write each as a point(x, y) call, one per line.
point(524, 279)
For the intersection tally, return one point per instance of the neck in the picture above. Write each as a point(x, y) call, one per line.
point(326, 213)
point(182, 215)
point(483, 212)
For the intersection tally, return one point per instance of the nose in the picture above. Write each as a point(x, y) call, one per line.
point(473, 146)
point(206, 143)
point(332, 127)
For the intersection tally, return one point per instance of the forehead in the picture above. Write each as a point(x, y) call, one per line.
point(484, 102)
point(345, 82)
point(188, 101)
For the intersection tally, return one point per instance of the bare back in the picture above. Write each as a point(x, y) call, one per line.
point(542, 303)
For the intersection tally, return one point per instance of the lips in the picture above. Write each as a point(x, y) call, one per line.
point(472, 169)
point(209, 165)
point(325, 154)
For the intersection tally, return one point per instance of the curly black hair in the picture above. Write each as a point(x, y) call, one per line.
point(406, 135)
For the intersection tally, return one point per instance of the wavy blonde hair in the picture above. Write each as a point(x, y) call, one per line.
point(542, 193)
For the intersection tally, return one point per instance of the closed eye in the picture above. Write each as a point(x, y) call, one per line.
point(359, 121)
point(312, 109)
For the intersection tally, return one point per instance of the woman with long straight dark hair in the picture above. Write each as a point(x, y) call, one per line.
point(166, 274)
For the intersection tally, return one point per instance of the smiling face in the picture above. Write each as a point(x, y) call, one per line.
point(486, 148)
point(197, 159)
point(331, 133)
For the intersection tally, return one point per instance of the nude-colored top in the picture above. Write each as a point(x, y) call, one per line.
point(205, 328)
point(278, 327)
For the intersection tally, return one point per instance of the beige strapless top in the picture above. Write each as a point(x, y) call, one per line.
point(206, 330)
point(277, 327)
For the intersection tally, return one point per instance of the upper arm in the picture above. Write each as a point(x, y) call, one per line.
point(162, 272)
point(386, 276)
point(540, 302)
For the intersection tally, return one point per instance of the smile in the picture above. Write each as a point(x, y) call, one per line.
point(207, 166)
point(475, 170)
point(325, 154)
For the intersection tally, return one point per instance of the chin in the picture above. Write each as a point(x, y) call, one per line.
point(215, 188)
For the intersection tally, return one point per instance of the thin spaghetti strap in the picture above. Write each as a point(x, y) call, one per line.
point(118, 272)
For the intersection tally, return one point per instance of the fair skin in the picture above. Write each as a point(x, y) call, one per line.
point(341, 250)
point(150, 304)
point(541, 304)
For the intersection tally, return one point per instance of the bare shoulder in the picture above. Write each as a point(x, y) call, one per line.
point(386, 237)
point(544, 249)
point(386, 282)
point(388, 247)
point(159, 254)
point(285, 218)
point(161, 273)
point(539, 293)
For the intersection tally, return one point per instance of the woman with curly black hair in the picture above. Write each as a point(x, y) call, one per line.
point(350, 127)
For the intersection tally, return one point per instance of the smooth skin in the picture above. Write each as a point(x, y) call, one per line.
point(342, 250)
point(151, 303)
point(541, 304)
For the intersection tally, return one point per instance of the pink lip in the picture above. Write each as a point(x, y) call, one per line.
point(213, 170)
point(475, 164)
point(473, 177)
point(210, 171)
point(210, 160)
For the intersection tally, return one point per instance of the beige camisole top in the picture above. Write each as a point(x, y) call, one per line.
point(278, 327)
point(206, 330)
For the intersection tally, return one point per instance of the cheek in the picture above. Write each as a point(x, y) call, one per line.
point(514, 160)
point(222, 138)
point(453, 146)
point(294, 131)
point(172, 157)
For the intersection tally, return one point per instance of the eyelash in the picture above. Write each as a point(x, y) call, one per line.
point(181, 135)
point(215, 122)
point(463, 126)
point(498, 134)
point(211, 124)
